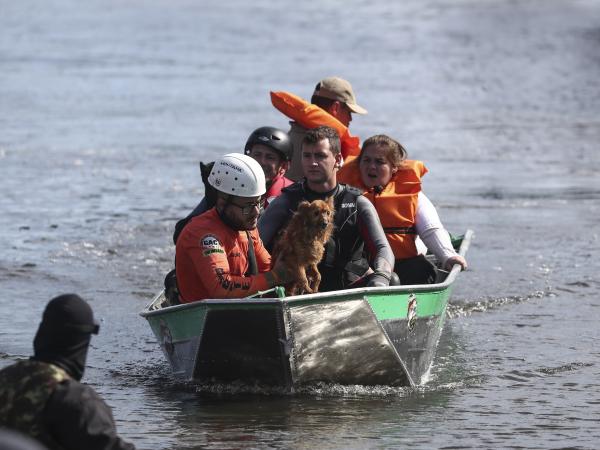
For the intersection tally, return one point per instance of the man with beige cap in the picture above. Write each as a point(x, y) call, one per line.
point(334, 95)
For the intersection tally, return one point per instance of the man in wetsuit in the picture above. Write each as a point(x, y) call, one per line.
point(219, 253)
point(42, 396)
point(357, 231)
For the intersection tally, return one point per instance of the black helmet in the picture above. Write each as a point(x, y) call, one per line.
point(273, 138)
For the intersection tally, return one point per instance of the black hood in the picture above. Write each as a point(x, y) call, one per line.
point(64, 335)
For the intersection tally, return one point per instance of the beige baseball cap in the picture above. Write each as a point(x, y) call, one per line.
point(336, 88)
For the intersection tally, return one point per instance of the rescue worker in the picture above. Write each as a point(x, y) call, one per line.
point(357, 227)
point(393, 184)
point(43, 398)
point(272, 149)
point(335, 96)
point(219, 253)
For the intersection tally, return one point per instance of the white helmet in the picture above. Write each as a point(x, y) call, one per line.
point(239, 175)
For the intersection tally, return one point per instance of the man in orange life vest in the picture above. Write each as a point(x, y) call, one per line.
point(335, 96)
point(219, 254)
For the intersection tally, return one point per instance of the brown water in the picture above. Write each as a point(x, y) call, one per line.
point(106, 108)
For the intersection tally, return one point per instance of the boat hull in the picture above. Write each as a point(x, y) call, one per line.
point(366, 336)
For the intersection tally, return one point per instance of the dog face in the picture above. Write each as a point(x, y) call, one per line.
point(317, 215)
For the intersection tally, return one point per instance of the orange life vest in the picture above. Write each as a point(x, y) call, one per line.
point(396, 204)
point(311, 116)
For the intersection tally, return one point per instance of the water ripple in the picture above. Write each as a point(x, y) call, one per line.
point(478, 306)
point(564, 368)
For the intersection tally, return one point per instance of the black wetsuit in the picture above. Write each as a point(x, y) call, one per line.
point(357, 235)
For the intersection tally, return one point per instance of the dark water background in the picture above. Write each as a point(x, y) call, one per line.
point(106, 107)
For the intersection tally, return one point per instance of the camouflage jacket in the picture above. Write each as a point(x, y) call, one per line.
point(25, 388)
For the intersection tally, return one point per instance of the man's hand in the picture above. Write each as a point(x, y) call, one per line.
point(456, 260)
point(378, 279)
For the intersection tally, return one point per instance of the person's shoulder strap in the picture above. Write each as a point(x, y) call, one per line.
point(252, 265)
point(345, 194)
point(351, 190)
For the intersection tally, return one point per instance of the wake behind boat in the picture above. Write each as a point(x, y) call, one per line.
point(365, 336)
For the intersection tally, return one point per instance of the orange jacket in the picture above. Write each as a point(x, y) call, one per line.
point(396, 205)
point(311, 116)
point(211, 260)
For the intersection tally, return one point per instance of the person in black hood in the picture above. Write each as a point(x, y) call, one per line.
point(64, 335)
point(43, 398)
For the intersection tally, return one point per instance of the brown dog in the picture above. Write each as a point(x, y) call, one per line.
point(302, 243)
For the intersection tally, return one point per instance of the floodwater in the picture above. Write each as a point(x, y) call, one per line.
point(106, 107)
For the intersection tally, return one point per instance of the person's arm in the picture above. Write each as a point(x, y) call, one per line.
point(376, 244)
point(272, 220)
point(433, 234)
point(212, 267)
point(78, 419)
